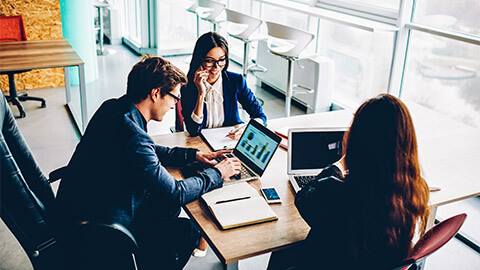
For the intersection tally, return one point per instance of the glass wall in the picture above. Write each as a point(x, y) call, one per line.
point(176, 28)
point(442, 72)
point(461, 16)
point(362, 61)
point(132, 20)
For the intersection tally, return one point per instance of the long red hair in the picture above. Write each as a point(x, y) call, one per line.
point(389, 194)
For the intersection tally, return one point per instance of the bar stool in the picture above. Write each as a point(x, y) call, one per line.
point(100, 6)
point(242, 27)
point(207, 10)
point(289, 43)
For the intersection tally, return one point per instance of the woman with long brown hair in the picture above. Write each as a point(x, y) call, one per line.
point(363, 210)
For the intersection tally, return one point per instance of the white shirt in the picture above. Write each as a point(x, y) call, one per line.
point(214, 104)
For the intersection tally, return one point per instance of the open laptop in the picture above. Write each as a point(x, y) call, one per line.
point(310, 150)
point(254, 149)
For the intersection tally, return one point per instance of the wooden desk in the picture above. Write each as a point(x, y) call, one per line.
point(449, 152)
point(39, 54)
point(240, 243)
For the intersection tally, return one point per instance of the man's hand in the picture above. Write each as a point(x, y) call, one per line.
point(229, 167)
point(208, 157)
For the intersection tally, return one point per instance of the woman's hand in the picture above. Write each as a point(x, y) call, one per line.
point(201, 76)
point(236, 133)
point(342, 161)
point(340, 164)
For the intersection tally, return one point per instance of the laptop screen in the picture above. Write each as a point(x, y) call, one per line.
point(256, 146)
point(314, 149)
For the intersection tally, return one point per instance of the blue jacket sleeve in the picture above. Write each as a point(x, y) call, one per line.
point(249, 101)
point(177, 156)
point(189, 100)
point(146, 160)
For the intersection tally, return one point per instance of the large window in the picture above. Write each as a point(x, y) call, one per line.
point(443, 64)
point(443, 74)
point(461, 16)
point(362, 61)
point(132, 21)
point(176, 28)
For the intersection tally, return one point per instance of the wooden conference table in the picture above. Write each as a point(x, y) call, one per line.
point(40, 54)
point(449, 152)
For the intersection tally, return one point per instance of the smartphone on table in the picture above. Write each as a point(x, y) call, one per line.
point(271, 195)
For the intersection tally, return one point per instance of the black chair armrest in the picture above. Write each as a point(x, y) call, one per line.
point(57, 174)
point(100, 246)
point(103, 229)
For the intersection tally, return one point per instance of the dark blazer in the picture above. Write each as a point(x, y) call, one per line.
point(331, 206)
point(117, 172)
point(234, 89)
point(322, 205)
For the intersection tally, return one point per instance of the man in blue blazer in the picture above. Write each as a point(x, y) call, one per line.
point(117, 172)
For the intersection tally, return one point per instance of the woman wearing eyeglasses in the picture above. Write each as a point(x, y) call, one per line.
point(210, 98)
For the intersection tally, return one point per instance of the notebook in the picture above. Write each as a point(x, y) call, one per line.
point(238, 205)
point(254, 149)
point(310, 150)
point(216, 138)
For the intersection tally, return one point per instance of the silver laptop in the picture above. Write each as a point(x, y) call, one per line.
point(310, 150)
point(254, 149)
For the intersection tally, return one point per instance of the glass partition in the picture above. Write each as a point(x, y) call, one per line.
point(460, 16)
point(443, 74)
point(362, 61)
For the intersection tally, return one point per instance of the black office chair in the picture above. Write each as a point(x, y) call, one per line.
point(12, 29)
point(26, 200)
point(25, 194)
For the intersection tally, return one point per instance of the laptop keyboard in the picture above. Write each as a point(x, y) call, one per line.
point(303, 180)
point(244, 173)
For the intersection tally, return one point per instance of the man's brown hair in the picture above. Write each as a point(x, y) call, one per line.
point(153, 72)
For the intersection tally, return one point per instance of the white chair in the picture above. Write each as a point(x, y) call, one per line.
point(243, 27)
point(207, 10)
point(289, 43)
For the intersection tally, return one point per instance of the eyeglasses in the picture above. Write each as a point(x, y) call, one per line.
point(209, 62)
point(177, 99)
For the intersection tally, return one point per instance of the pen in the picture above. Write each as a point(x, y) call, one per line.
point(236, 129)
point(232, 200)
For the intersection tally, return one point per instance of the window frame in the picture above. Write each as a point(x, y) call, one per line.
point(367, 11)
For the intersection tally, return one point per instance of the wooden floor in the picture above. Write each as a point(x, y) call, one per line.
point(52, 138)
